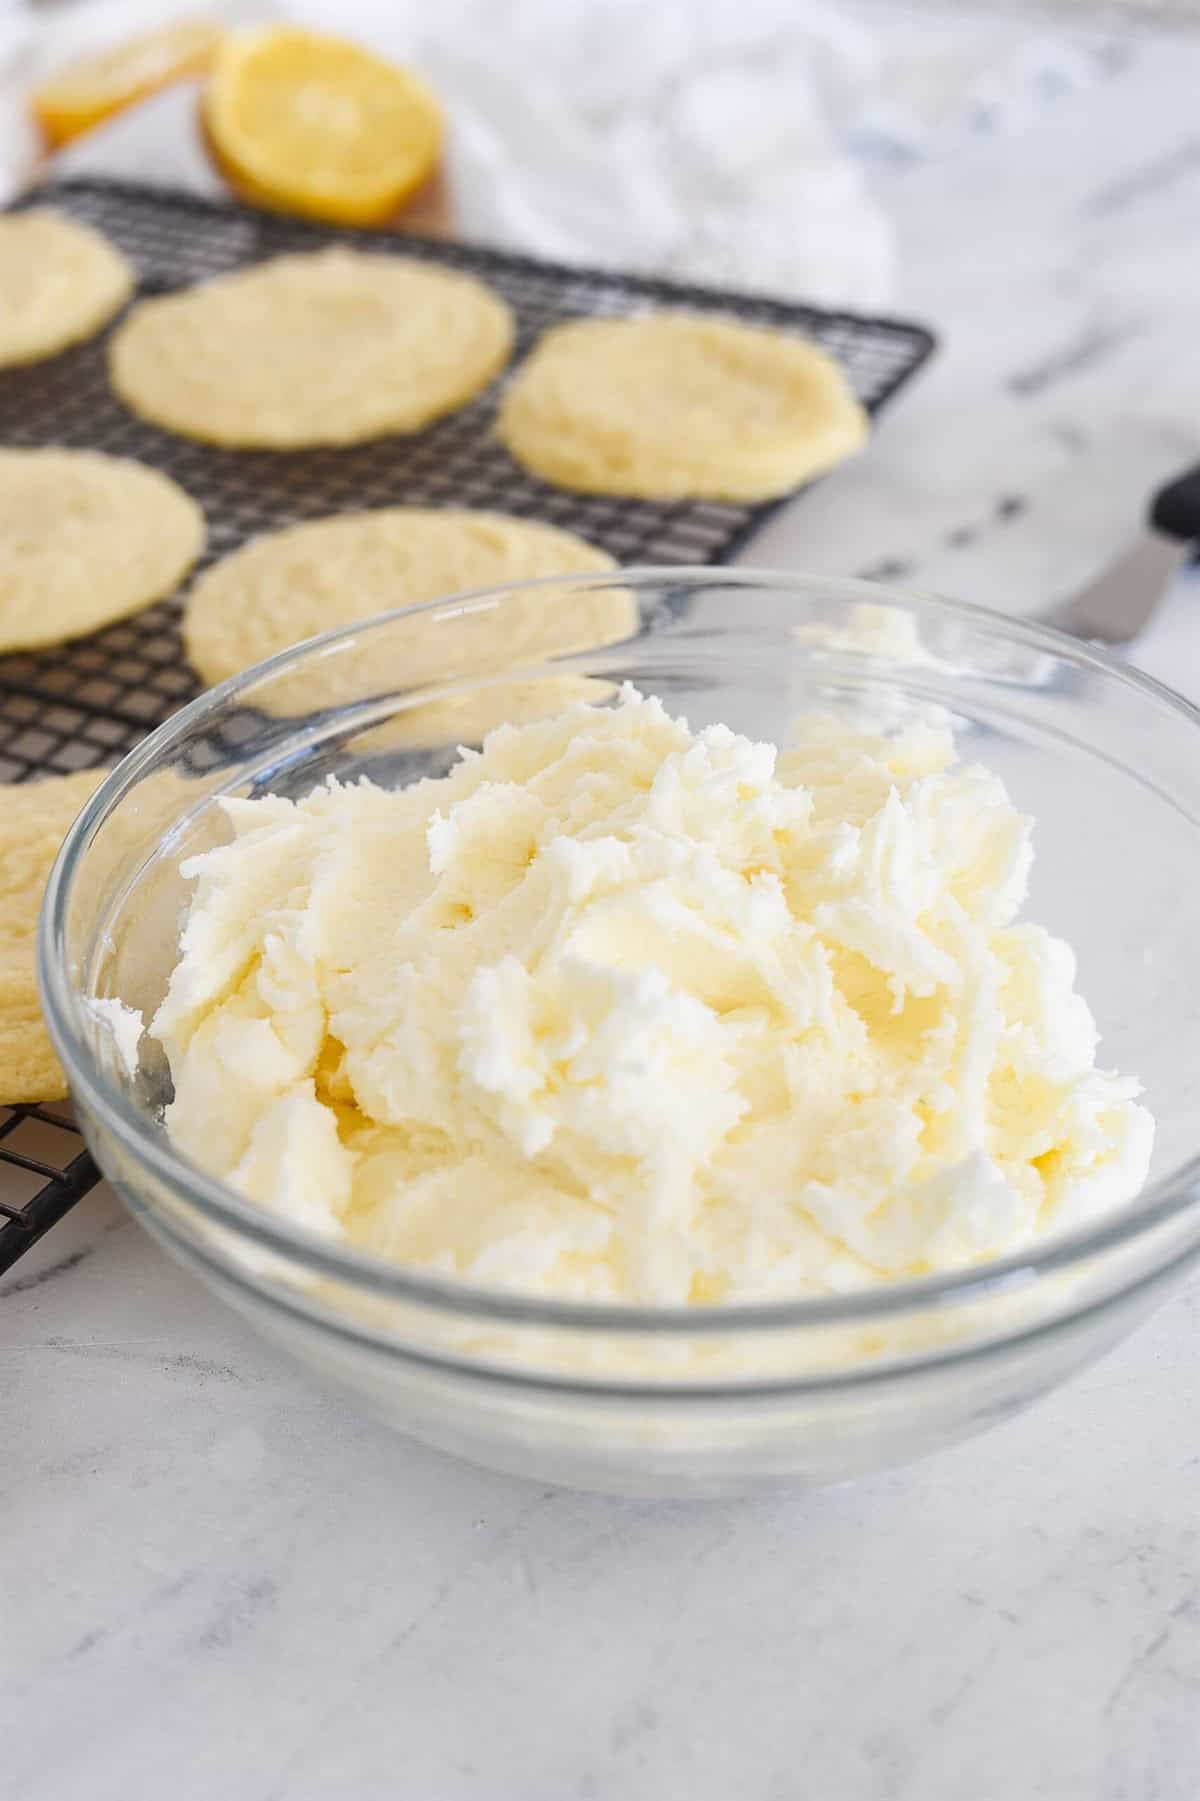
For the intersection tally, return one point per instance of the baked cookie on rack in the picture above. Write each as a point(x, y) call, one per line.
point(675, 406)
point(86, 539)
point(321, 347)
point(311, 578)
point(34, 817)
point(60, 281)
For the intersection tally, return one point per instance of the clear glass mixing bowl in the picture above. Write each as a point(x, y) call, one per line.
point(654, 1400)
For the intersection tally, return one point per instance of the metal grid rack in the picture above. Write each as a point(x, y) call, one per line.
point(87, 703)
point(48, 1171)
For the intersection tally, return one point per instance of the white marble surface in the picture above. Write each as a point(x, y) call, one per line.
point(217, 1582)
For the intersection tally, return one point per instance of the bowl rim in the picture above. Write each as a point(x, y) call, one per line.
point(1160, 1202)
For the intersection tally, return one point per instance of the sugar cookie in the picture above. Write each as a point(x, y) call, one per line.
point(313, 578)
point(86, 539)
point(34, 817)
point(674, 406)
point(60, 281)
point(326, 347)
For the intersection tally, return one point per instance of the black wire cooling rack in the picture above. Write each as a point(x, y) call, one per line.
point(87, 703)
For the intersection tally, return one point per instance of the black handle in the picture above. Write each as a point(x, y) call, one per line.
point(1175, 509)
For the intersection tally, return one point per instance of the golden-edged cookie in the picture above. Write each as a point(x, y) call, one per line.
point(60, 281)
point(329, 573)
point(673, 406)
point(34, 817)
point(324, 347)
point(86, 539)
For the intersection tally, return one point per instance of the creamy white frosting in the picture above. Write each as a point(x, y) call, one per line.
point(123, 1027)
point(620, 1011)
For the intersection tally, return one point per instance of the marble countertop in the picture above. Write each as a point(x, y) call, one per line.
point(217, 1581)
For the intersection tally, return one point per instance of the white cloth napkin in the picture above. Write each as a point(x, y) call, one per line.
point(731, 144)
point(696, 140)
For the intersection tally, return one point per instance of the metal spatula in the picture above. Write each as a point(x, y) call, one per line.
point(1120, 601)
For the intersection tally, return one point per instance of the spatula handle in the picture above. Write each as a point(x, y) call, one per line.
point(1175, 509)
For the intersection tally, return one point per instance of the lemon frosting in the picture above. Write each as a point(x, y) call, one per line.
point(616, 1010)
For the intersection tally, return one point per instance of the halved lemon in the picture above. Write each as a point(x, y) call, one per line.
point(317, 125)
point(93, 87)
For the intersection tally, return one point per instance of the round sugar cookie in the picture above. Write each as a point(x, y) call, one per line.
point(325, 347)
point(674, 407)
point(59, 282)
point(34, 817)
point(316, 577)
point(86, 539)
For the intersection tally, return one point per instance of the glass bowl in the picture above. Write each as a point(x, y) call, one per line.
point(658, 1400)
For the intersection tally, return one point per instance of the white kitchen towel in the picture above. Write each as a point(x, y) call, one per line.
point(697, 140)
point(722, 143)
